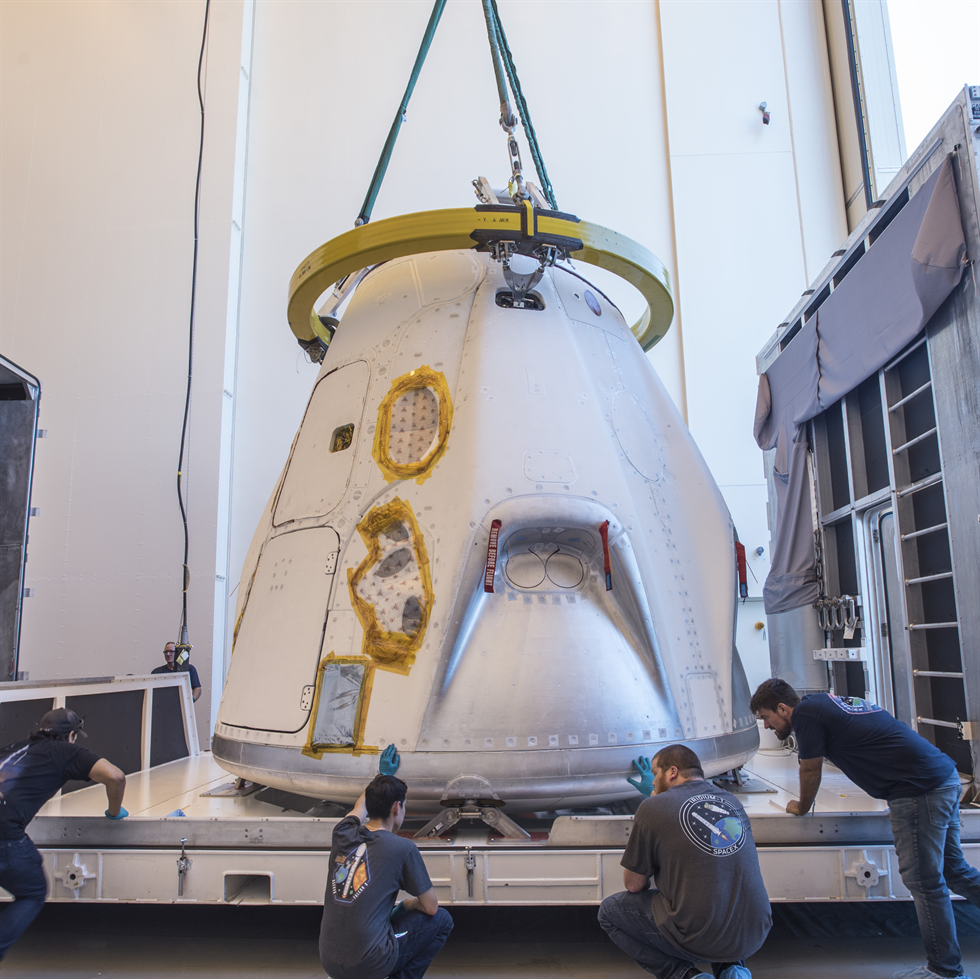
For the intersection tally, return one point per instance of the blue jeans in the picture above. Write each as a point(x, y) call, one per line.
point(21, 874)
point(628, 920)
point(420, 937)
point(926, 829)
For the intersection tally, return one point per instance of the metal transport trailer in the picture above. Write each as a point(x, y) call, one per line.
point(894, 488)
point(194, 837)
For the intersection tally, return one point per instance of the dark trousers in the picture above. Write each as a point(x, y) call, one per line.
point(22, 876)
point(419, 937)
point(628, 920)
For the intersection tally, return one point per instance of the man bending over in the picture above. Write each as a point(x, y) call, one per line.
point(889, 761)
point(364, 934)
point(709, 903)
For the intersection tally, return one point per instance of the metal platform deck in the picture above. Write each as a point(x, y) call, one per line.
point(244, 850)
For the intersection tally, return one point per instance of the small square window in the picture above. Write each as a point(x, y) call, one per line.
point(340, 691)
point(342, 438)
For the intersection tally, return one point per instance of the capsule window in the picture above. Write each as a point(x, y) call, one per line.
point(336, 714)
point(414, 419)
point(414, 425)
point(342, 438)
point(340, 705)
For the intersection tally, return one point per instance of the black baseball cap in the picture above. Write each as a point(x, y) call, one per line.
point(62, 721)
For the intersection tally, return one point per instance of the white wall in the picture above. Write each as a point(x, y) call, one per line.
point(99, 151)
point(755, 206)
point(647, 116)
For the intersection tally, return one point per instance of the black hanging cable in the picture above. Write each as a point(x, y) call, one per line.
point(182, 632)
point(522, 109)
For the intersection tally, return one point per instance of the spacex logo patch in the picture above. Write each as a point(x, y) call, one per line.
point(712, 824)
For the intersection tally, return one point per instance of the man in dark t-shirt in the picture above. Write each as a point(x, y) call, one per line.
point(172, 666)
point(889, 761)
point(708, 903)
point(364, 934)
point(30, 773)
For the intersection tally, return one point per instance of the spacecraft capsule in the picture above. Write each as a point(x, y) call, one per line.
point(494, 545)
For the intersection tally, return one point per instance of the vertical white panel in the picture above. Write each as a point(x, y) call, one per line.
point(849, 126)
point(737, 220)
point(880, 83)
point(221, 643)
point(813, 131)
point(217, 269)
point(753, 643)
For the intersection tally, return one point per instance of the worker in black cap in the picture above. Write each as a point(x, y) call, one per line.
point(31, 772)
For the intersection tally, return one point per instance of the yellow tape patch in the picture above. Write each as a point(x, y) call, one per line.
point(414, 419)
point(391, 589)
point(391, 592)
point(349, 691)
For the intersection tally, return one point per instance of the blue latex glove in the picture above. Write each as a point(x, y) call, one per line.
point(390, 761)
point(122, 814)
point(643, 784)
point(398, 909)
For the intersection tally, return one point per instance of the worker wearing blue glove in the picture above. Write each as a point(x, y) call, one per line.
point(363, 933)
point(709, 903)
point(30, 773)
point(389, 761)
point(643, 784)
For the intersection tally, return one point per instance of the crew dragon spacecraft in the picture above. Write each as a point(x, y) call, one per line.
point(494, 544)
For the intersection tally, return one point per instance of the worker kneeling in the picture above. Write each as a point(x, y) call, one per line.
point(364, 934)
point(708, 903)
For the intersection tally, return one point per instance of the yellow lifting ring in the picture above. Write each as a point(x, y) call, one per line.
point(463, 228)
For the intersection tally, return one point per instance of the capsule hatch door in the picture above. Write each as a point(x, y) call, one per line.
point(322, 458)
point(278, 645)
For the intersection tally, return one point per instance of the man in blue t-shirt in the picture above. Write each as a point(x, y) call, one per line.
point(889, 761)
point(30, 773)
point(364, 934)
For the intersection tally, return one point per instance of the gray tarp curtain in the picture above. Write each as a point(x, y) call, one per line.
point(882, 304)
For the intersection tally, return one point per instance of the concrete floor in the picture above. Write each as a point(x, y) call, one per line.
point(79, 941)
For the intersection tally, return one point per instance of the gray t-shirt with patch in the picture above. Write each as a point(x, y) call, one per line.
point(367, 870)
point(695, 841)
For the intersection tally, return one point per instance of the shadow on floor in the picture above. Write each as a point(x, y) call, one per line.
point(517, 925)
point(93, 941)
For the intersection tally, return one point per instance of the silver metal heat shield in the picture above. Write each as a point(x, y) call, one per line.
point(364, 613)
